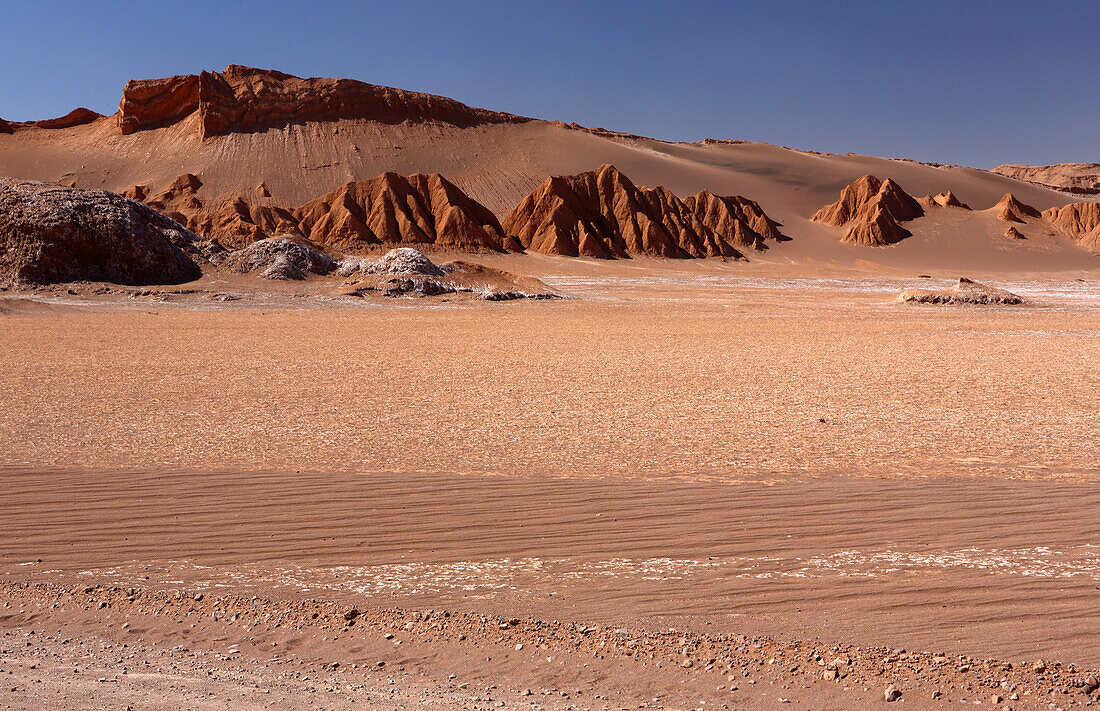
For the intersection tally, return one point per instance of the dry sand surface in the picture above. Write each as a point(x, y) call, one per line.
point(696, 485)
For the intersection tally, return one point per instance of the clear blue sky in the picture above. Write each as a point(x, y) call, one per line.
point(977, 83)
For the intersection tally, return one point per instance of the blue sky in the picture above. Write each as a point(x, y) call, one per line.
point(976, 83)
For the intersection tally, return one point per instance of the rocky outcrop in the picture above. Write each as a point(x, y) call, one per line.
point(280, 258)
point(1014, 234)
point(409, 272)
point(247, 99)
point(76, 117)
point(1009, 209)
point(603, 214)
point(153, 103)
point(741, 220)
point(871, 209)
point(403, 260)
point(964, 292)
point(1079, 221)
point(386, 210)
point(391, 210)
point(946, 199)
point(1082, 178)
point(54, 234)
point(236, 222)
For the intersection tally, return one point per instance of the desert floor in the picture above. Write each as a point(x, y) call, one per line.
point(688, 486)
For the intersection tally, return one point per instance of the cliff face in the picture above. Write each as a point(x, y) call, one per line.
point(247, 99)
point(1079, 221)
point(1082, 178)
point(871, 209)
point(603, 214)
point(153, 103)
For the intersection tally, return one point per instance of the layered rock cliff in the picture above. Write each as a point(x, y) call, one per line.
point(1082, 178)
point(247, 99)
point(1079, 221)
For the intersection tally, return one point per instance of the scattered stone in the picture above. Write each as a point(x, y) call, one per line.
point(402, 261)
point(280, 258)
point(964, 292)
point(892, 693)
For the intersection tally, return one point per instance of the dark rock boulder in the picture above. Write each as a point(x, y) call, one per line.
point(50, 233)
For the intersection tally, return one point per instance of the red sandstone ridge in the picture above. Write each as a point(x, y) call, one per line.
point(1083, 178)
point(1012, 210)
point(602, 214)
point(740, 219)
point(1079, 221)
point(393, 210)
point(946, 199)
point(76, 117)
point(246, 99)
point(235, 222)
point(871, 209)
point(386, 210)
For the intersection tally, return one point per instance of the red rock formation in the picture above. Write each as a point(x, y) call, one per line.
point(1079, 221)
point(741, 220)
point(1012, 210)
point(49, 233)
point(389, 209)
point(602, 214)
point(1013, 233)
point(871, 209)
point(152, 103)
point(1082, 178)
point(76, 117)
point(948, 199)
point(235, 222)
point(392, 210)
point(246, 99)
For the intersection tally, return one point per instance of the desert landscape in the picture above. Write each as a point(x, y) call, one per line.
point(320, 394)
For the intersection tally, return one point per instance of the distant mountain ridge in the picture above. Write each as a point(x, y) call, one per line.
point(1079, 178)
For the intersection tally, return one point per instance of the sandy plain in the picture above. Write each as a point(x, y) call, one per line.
point(783, 465)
